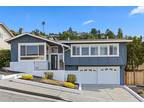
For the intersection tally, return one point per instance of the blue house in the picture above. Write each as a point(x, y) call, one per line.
point(100, 61)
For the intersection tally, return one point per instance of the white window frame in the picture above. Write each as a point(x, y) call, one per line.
point(31, 44)
point(72, 50)
point(94, 46)
point(81, 50)
point(54, 47)
point(97, 45)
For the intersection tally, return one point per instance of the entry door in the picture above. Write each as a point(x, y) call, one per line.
point(54, 62)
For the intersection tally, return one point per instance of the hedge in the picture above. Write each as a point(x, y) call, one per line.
point(4, 58)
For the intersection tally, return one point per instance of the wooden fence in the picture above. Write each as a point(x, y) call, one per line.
point(134, 78)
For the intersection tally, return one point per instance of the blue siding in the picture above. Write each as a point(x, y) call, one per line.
point(98, 61)
point(122, 75)
point(25, 39)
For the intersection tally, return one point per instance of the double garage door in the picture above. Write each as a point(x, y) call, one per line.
point(99, 75)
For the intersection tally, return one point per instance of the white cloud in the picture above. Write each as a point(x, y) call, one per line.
point(88, 22)
point(137, 10)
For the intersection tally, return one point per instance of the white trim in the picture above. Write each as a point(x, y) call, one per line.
point(8, 40)
point(98, 45)
point(31, 44)
point(58, 64)
point(53, 47)
point(97, 41)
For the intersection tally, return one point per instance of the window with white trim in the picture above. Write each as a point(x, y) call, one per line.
point(32, 52)
point(113, 50)
point(103, 50)
point(54, 49)
point(94, 50)
point(75, 50)
point(85, 50)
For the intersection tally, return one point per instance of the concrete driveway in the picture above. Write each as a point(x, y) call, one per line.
point(89, 93)
point(114, 93)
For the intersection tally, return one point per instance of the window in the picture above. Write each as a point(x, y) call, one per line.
point(103, 50)
point(32, 52)
point(113, 50)
point(54, 49)
point(76, 50)
point(85, 50)
point(94, 50)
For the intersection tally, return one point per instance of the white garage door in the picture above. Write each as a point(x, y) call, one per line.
point(99, 75)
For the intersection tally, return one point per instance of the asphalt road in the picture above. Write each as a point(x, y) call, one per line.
point(11, 96)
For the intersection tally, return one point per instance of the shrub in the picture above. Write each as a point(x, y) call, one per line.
point(48, 75)
point(27, 76)
point(140, 91)
point(4, 58)
point(69, 85)
point(71, 78)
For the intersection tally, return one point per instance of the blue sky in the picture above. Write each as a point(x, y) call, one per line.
point(81, 19)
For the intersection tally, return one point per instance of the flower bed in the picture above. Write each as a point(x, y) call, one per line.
point(54, 82)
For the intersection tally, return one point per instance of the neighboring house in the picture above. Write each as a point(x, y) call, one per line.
point(4, 34)
point(100, 61)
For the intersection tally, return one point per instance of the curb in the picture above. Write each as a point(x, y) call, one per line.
point(32, 93)
point(133, 93)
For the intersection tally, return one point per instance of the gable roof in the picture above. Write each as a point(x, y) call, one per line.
point(38, 37)
point(7, 29)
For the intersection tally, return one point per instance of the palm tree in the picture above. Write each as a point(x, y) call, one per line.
point(43, 24)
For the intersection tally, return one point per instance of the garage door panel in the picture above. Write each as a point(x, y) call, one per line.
point(109, 75)
point(88, 77)
point(108, 78)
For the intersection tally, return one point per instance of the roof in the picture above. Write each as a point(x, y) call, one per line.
point(97, 41)
point(7, 29)
point(45, 39)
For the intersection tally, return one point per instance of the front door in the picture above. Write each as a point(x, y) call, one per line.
point(54, 62)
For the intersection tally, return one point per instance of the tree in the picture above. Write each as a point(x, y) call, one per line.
point(120, 33)
point(135, 53)
point(93, 33)
point(43, 24)
point(14, 33)
point(109, 34)
point(36, 32)
point(70, 30)
point(99, 34)
point(20, 30)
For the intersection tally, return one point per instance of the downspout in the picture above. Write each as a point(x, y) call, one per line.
point(64, 54)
